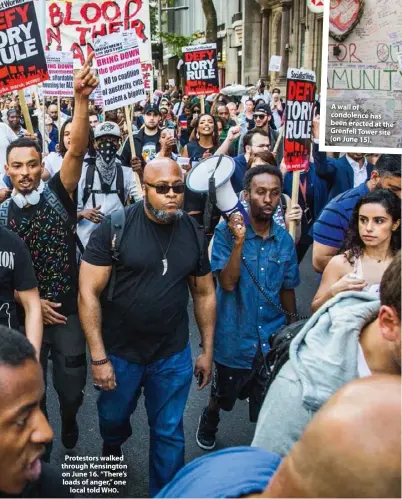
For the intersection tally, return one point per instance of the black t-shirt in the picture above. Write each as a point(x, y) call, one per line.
point(147, 319)
point(16, 273)
point(250, 123)
point(193, 201)
point(149, 147)
point(52, 244)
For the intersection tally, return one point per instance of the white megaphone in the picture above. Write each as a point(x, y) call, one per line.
point(212, 175)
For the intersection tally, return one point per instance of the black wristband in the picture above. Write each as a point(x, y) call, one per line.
point(99, 362)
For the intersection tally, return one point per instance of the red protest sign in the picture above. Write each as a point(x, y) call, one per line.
point(201, 70)
point(22, 60)
point(299, 115)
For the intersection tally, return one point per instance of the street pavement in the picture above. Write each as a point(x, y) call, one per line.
point(234, 429)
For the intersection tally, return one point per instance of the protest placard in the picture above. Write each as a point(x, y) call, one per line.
point(299, 115)
point(300, 93)
point(73, 26)
point(119, 69)
point(201, 69)
point(22, 61)
point(28, 91)
point(147, 75)
point(96, 95)
point(61, 71)
point(275, 63)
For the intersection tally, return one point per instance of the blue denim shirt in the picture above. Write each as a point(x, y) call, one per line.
point(244, 316)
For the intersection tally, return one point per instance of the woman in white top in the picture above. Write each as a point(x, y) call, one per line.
point(373, 238)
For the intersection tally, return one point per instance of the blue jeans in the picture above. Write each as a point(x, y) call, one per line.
point(166, 385)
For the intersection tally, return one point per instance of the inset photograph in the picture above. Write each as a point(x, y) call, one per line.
point(362, 97)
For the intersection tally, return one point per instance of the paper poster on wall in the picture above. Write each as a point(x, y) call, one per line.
point(362, 99)
point(22, 59)
point(201, 69)
point(119, 69)
point(300, 93)
point(73, 26)
point(275, 63)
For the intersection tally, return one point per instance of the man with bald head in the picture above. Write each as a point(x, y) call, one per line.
point(351, 448)
point(141, 338)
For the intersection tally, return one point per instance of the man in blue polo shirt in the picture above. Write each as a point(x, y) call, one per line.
point(331, 226)
point(246, 317)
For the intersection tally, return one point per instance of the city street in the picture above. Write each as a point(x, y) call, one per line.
point(234, 429)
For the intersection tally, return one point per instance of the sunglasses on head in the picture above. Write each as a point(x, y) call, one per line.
point(164, 188)
point(259, 116)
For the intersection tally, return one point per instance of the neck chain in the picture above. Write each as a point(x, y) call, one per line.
point(378, 260)
point(164, 253)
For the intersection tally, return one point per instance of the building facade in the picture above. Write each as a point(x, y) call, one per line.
point(249, 33)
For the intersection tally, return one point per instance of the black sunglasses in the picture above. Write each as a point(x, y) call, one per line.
point(164, 188)
point(259, 116)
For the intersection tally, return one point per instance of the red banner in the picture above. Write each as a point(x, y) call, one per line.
point(299, 115)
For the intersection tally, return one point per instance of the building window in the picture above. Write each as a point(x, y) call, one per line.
point(319, 53)
point(302, 43)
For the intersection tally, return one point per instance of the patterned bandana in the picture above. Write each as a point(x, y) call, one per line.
point(106, 160)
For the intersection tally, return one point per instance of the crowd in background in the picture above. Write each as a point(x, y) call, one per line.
point(90, 275)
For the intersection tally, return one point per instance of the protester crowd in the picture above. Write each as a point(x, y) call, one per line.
point(81, 274)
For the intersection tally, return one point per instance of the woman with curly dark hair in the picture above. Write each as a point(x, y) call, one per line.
point(373, 238)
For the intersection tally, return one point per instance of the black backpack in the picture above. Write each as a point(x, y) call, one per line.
point(265, 370)
point(117, 225)
point(105, 189)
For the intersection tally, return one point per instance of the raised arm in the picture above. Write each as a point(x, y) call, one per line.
point(324, 169)
point(233, 134)
point(84, 84)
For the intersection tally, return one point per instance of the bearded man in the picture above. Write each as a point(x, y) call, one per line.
point(141, 338)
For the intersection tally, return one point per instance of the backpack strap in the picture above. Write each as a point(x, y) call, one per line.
point(117, 224)
point(120, 184)
point(53, 200)
point(89, 182)
point(4, 207)
point(284, 204)
point(200, 235)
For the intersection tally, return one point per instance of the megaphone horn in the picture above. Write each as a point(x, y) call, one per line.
point(213, 175)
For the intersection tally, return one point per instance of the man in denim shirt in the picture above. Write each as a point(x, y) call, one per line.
point(245, 318)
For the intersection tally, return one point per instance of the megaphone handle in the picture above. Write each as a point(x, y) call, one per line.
point(212, 190)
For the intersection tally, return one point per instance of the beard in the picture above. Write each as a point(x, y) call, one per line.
point(163, 216)
point(259, 214)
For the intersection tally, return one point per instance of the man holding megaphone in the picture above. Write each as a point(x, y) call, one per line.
point(256, 267)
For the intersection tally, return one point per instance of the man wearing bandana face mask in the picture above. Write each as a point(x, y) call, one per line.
point(105, 184)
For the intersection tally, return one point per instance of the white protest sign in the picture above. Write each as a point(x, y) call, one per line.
point(96, 95)
point(119, 69)
point(275, 63)
point(73, 26)
point(171, 82)
point(61, 71)
point(28, 95)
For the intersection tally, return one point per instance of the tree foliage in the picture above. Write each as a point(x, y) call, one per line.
point(177, 42)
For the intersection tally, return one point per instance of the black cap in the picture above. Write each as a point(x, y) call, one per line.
point(263, 108)
point(13, 110)
point(150, 108)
